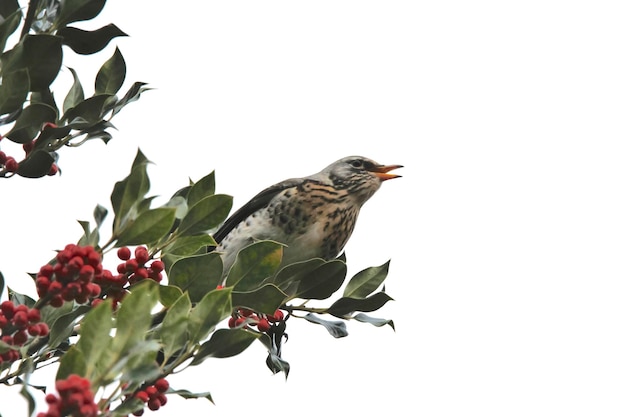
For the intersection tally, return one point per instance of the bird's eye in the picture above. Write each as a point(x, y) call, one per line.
point(357, 163)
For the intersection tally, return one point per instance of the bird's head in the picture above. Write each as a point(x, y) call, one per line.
point(360, 176)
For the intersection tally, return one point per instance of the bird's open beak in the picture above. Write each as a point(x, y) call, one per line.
point(382, 172)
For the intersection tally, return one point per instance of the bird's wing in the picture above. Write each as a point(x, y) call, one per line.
point(256, 203)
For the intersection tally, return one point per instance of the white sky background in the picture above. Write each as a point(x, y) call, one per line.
point(506, 233)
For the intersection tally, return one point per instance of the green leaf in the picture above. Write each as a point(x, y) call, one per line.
point(111, 75)
point(40, 55)
point(255, 263)
point(88, 112)
point(94, 335)
point(1, 284)
point(277, 364)
point(78, 10)
point(13, 90)
point(29, 122)
point(197, 274)
point(336, 329)
point(265, 299)
point(189, 245)
point(212, 309)
point(10, 22)
point(36, 165)
point(99, 214)
point(140, 363)
point(148, 227)
point(168, 294)
point(87, 42)
point(345, 305)
point(374, 321)
point(133, 317)
point(203, 188)
point(75, 94)
point(313, 279)
point(173, 332)
point(129, 192)
point(366, 282)
point(18, 298)
point(191, 395)
point(29, 399)
point(206, 214)
point(72, 362)
point(225, 343)
point(61, 326)
point(133, 94)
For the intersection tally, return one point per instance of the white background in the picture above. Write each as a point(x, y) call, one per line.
point(507, 232)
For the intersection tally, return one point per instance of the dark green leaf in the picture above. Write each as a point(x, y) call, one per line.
point(266, 299)
point(189, 245)
point(94, 335)
point(277, 364)
point(18, 298)
point(10, 22)
point(13, 90)
point(366, 282)
point(206, 214)
point(312, 279)
point(111, 75)
point(140, 363)
point(212, 309)
point(99, 214)
point(336, 329)
point(29, 122)
point(148, 227)
point(78, 10)
point(36, 165)
point(346, 305)
point(197, 274)
point(254, 264)
point(1, 284)
point(75, 94)
point(201, 189)
point(373, 320)
point(191, 395)
point(173, 332)
point(225, 343)
point(89, 237)
point(133, 317)
point(168, 294)
point(62, 326)
point(129, 192)
point(72, 362)
point(133, 94)
point(29, 399)
point(87, 42)
point(88, 112)
point(46, 97)
point(40, 55)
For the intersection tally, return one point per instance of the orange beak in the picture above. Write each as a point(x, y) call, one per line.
point(382, 172)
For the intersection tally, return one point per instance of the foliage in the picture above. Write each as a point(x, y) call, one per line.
point(28, 107)
point(116, 335)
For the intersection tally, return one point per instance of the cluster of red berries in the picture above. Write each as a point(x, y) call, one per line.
point(17, 324)
point(153, 395)
point(75, 399)
point(131, 271)
point(71, 278)
point(8, 162)
point(243, 317)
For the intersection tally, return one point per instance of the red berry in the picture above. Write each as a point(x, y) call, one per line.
point(162, 385)
point(43, 329)
point(48, 125)
point(245, 312)
point(232, 322)
point(157, 266)
point(8, 309)
point(277, 316)
point(55, 287)
point(162, 399)
point(56, 301)
point(152, 391)
point(34, 315)
point(86, 273)
point(46, 271)
point(3, 158)
point(123, 253)
point(20, 319)
point(141, 254)
point(28, 147)
point(240, 321)
point(138, 413)
point(131, 265)
point(34, 330)
point(3, 321)
point(263, 325)
point(142, 396)
point(20, 337)
point(141, 273)
point(11, 164)
point(154, 404)
point(219, 287)
point(52, 399)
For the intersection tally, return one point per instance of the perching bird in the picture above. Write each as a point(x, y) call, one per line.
point(313, 216)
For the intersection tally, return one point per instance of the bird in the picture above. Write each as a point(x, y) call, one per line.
point(312, 216)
